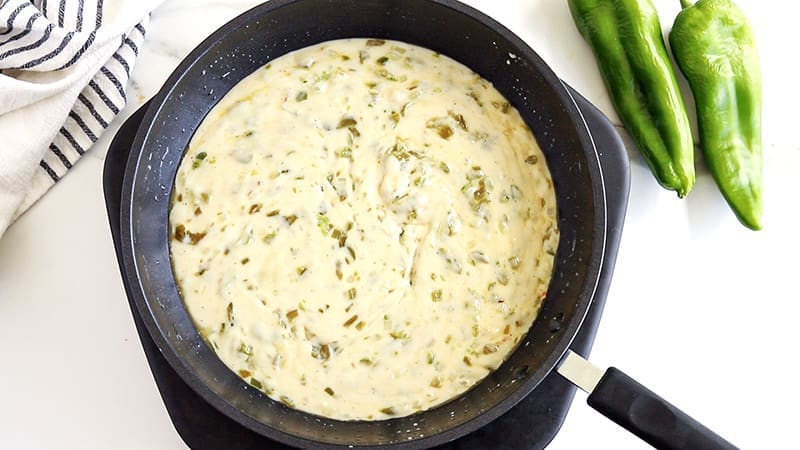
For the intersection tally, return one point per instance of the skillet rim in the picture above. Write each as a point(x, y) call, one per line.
point(533, 379)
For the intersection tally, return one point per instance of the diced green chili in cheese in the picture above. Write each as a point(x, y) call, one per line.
point(364, 230)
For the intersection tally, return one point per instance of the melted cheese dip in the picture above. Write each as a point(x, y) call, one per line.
point(363, 229)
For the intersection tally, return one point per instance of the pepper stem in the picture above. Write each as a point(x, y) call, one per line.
point(686, 3)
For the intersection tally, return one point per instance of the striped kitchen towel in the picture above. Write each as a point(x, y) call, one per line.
point(64, 66)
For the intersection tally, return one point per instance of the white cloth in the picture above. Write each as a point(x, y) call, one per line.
point(64, 67)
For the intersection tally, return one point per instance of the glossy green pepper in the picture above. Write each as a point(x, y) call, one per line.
point(626, 38)
point(715, 49)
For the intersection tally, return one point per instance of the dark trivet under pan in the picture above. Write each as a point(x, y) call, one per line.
point(531, 424)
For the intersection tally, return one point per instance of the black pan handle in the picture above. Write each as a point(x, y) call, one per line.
point(647, 415)
point(638, 409)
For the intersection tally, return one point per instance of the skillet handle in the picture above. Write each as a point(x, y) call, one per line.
point(645, 414)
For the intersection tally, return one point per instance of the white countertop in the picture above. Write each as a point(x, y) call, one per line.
point(701, 310)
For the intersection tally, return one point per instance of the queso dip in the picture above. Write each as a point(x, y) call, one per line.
point(363, 229)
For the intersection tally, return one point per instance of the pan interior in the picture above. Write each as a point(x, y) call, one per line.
point(274, 29)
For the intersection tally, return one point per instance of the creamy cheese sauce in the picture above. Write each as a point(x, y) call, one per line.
point(363, 229)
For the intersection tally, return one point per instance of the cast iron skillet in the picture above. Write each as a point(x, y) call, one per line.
point(273, 29)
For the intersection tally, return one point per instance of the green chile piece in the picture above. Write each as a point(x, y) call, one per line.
point(625, 36)
point(715, 49)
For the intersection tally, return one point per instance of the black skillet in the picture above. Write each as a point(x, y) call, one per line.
point(279, 26)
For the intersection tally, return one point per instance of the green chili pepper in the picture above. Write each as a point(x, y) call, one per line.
point(715, 49)
point(625, 36)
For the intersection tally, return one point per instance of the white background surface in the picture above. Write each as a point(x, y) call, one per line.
point(701, 310)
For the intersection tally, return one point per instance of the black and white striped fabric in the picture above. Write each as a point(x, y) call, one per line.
point(65, 63)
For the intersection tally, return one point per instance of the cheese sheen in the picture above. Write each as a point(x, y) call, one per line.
point(363, 229)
